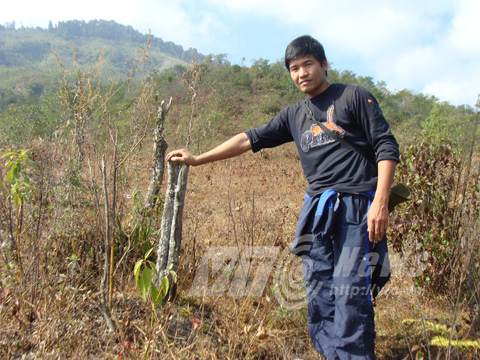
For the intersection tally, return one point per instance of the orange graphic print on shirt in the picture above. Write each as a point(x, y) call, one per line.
point(316, 136)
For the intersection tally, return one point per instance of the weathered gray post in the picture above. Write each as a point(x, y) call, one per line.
point(171, 228)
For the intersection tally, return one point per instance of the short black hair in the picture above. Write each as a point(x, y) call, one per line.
point(304, 45)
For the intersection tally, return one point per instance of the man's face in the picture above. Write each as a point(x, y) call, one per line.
point(309, 75)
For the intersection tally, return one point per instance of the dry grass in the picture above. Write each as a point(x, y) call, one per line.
point(253, 200)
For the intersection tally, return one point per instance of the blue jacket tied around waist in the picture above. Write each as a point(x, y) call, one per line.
point(318, 218)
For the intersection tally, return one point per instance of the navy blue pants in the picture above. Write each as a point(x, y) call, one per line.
point(342, 270)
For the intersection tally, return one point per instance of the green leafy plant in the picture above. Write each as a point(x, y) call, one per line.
point(20, 192)
point(146, 282)
point(20, 184)
point(148, 289)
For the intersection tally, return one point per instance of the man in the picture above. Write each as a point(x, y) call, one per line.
point(342, 225)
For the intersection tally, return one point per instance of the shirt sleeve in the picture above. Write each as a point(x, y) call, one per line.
point(371, 119)
point(274, 133)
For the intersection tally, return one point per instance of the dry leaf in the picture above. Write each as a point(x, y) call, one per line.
point(261, 332)
point(196, 323)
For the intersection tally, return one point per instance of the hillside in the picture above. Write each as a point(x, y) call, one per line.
point(28, 66)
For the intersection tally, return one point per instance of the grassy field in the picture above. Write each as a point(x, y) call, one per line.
point(240, 204)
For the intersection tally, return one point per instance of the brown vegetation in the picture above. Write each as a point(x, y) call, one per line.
point(249, 201)
point(56, 242)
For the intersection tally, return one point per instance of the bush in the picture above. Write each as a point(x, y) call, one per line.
point(436, 229)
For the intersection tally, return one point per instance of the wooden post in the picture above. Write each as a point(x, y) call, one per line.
point(171, 228)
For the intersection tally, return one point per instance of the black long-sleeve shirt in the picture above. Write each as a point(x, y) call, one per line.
point(354, 114)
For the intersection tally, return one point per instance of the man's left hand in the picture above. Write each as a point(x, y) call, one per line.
point(377, 220)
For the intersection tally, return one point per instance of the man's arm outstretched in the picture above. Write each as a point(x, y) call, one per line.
point(237, 145)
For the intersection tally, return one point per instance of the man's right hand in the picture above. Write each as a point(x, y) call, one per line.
point(182, 156)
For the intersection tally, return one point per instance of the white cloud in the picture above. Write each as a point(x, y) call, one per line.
point(177, 22)
point(454, 90)
point(447, 66)
point(466, 29)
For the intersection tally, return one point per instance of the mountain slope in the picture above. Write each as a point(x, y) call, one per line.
point(28, 66)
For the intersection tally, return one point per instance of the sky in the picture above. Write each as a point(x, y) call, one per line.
point(426, 46)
